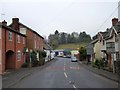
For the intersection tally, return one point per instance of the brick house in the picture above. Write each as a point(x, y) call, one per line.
point(35, 42)
point(12, 44)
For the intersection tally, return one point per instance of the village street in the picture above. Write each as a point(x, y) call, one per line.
point(63, 73)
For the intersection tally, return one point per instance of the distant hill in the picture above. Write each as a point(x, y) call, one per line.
point(71, 46)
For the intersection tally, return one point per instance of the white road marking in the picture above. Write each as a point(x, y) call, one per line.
point(74, 86)
point(65, 75)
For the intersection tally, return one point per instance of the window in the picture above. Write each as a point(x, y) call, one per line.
point(18, 38)
point(10, 36)
point(23, 31)
point(110, 46)
point(0, 56)
point(18, 55)
point(23, 40)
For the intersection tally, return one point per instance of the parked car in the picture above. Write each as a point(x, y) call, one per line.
point(73, 59)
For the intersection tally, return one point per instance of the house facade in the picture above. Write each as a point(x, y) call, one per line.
point(106, 44)
point(12, 46)
point(35, 42)
point(98, 44)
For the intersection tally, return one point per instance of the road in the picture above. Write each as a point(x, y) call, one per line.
point(65, 74)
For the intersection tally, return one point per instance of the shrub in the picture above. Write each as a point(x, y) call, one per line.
point(101, 63)
point(41, 62)
point(96, 62)
point(34, 59)
point(44, 54)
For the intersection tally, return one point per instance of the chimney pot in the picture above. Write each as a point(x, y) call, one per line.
point(4, 23)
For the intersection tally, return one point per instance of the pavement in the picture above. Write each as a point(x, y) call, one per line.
point(12, 77)
point(110, 75)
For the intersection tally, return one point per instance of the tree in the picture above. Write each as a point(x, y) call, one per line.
point(83, 53)
point(83, 37)
point(53, 41)
point(63, 38)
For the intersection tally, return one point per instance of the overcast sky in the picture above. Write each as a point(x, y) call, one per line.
point(46, 16)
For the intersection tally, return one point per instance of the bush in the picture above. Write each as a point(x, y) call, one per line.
point(96, 62)
point(41, 62)
point(101, 63)
point(42, 54)
point(34, 59)
point(25, 65)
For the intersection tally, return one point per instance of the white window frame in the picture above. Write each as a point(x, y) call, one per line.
point(18, 38)
point(18, 55)
point(10, 36)
point(23, 31)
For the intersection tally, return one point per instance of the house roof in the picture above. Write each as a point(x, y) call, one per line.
point(31, 30)
point(104, 34)
point(94, 41)
point(117, 28)
point(11, 29)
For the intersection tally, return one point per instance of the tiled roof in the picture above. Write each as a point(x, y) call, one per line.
point(117, 28)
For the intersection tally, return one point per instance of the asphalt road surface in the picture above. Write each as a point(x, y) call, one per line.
point(65, 74)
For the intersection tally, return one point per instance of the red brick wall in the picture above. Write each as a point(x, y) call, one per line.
point(19, 46)
point(29, 38)
point(3, 50)
point(39, 42)
point(10, 44)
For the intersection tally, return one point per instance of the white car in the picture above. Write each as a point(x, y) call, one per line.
point(73, 59)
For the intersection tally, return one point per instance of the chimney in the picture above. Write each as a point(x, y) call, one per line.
point(114, 21)
point(15, 23)
point(4, 23)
